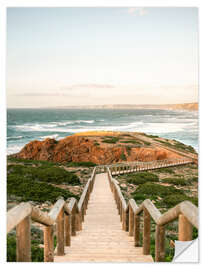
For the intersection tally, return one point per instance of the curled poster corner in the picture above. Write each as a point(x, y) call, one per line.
point(186, 251)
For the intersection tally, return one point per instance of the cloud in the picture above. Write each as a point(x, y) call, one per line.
point(75, 90)
point(140, 11)
point(86, 86)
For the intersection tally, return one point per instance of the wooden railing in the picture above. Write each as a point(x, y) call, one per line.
point(64, 219)
point(143, 166)
point(185, 212)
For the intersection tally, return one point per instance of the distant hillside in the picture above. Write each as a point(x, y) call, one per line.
point(183, 106)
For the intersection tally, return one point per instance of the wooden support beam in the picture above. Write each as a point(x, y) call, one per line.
point(23, 242)
point(48, 243)
point(131, 221)
point(184, 229)
point(137, 230)
point(125, 220)
point(60, 233)
point(146, 232)
point(73, 223)
point(67, 230)
point(160, 244)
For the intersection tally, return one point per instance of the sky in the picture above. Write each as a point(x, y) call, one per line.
point(94, 56)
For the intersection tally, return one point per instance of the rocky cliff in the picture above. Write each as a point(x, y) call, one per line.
point(95, 148)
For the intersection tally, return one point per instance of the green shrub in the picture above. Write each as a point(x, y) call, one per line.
point(194, 233)
point(131, 141)
point(37, 253)
point(123, 156)
point(81, 164)
point(111, 140)
point(32, 162)
point(174, 199)
point(128, 149)
point(96, 143)
point(194, 179)
point(154, 190)
point(43, 173)
point(182, 146)
point(165, 170)
point(138, 197)
point(142, 177)
point(147, 143)
point(11, 248)
point(29, 190)
point(175, 181)
point(151, 136)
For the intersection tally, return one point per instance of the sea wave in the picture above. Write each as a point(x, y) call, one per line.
point(12, 149)
point(53, 136)
point(14, 138)
point(157, 127)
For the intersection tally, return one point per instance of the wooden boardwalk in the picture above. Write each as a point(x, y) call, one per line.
point(102, 238)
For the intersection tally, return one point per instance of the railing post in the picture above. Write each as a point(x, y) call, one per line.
point(137, 230)
point(146, 232)
point(60, 233)
point(67, 230)
point(160, 244)
point(48, 243)
point(23, 242)
point(125, 220)
point(73, 222)
point(120, 210)
point(80, 220)
point(184, 229)
point(77, 216)
point(131, 221)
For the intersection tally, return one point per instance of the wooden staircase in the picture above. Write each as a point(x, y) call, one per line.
point(102, 238)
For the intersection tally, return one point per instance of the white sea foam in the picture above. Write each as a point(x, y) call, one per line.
point(53, 136)
point(52, 126)
point(14, 138)
point(12, 149)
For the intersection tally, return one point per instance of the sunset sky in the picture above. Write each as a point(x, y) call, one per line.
point(90, 56)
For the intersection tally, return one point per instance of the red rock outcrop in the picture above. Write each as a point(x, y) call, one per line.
point(83, 148)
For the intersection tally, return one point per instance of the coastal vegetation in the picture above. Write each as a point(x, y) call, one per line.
point(177, 145)
point(88, 164)
point(165, 188)
point(41, 181)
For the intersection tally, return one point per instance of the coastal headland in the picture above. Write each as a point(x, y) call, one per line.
point(105, 147)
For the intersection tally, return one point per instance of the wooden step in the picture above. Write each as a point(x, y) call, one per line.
point(102, 238)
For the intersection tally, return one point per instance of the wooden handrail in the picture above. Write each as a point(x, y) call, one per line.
point(186, 212)
point(17, 215)
point(68, 215)
point(128, 167)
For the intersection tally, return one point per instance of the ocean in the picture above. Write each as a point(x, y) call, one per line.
point(25, 125)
